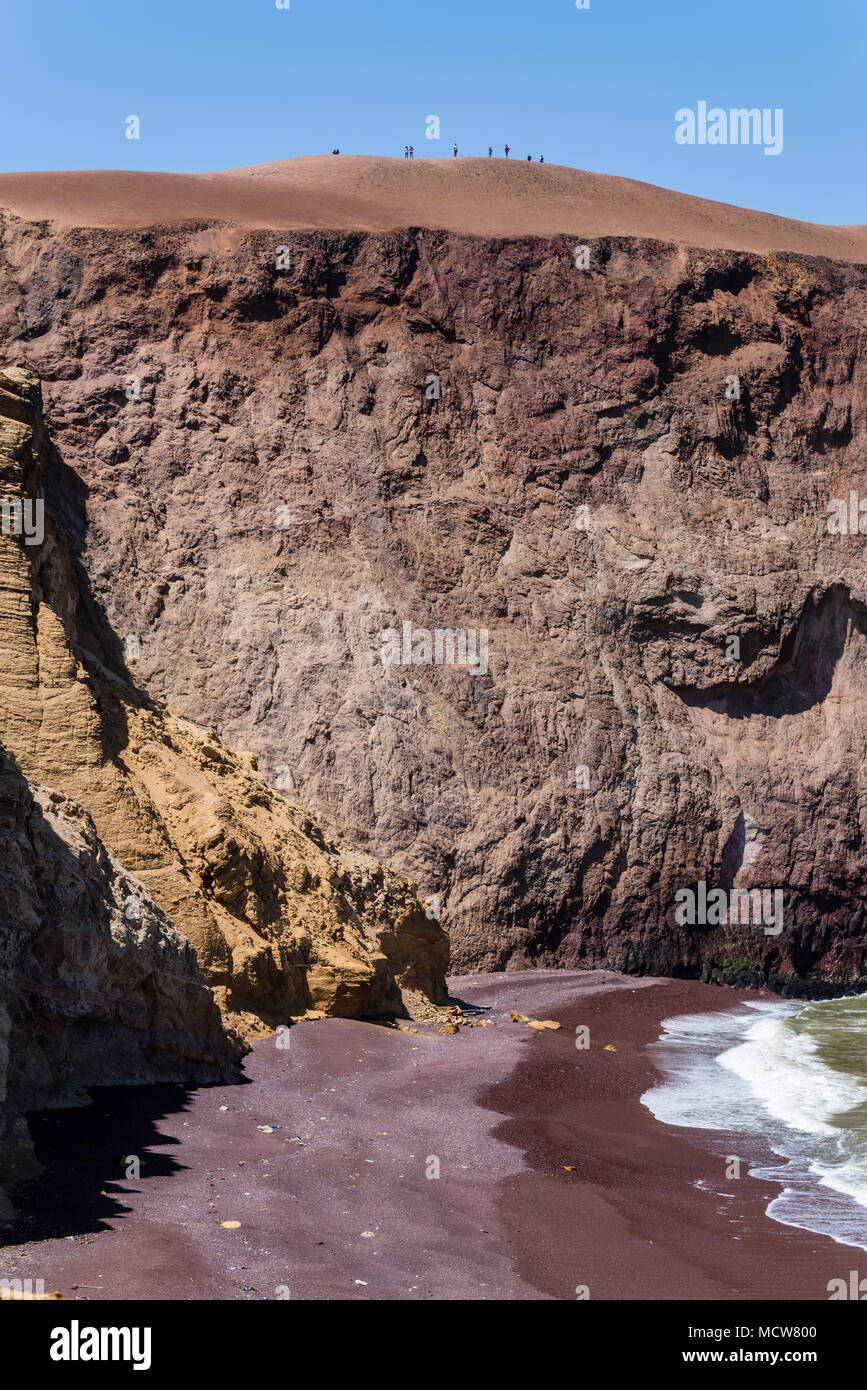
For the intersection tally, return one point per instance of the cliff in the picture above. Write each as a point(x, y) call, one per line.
point(278, 446)
point(282, 920)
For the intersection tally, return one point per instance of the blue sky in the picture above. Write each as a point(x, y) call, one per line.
point(221, 83)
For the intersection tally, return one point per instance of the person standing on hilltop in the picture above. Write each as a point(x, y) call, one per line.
point(412, 151)
point(541, 159)
point(490, 151)
point(456, 151)
point(406, 151)
point(529, 159)
point(507, 151)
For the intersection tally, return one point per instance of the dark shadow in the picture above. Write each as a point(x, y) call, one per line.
point(733, 854)
point(85, 1153)
point(90, 634)
point(64, 1038)
point(804, 672)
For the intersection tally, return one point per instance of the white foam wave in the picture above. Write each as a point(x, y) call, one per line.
point(775, 1077)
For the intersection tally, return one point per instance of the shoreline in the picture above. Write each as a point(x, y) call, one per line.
point(323, 1156)
point(648, 1230)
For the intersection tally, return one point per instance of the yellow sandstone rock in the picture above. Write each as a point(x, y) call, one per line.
point(283, 920)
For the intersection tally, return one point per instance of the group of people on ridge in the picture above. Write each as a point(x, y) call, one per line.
point(409, 153)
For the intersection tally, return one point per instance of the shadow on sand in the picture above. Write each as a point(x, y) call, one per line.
point(86, 1153)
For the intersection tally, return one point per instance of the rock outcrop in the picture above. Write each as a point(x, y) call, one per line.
point(617, 463)
point(282, 920)
point(97, 984)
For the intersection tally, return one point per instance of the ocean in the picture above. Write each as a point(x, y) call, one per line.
point(795, 1075)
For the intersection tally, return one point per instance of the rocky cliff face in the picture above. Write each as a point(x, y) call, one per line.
point(616, 464)
point(89, 995)
point(97, 984)
point(283, 921)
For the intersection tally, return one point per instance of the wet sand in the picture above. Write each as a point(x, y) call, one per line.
point(336, 1202)
point(630, 1222)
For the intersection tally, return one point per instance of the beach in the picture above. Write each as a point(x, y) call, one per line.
point(554, 1180)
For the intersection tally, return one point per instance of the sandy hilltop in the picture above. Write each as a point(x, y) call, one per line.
point(367, 193)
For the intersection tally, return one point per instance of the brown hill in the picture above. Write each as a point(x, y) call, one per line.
point(482, 197)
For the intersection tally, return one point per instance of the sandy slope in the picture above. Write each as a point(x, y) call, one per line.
point(368, 193)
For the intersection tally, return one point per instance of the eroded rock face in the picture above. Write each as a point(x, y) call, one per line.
point(90, 994)
point(282, 919)
point(282, 463)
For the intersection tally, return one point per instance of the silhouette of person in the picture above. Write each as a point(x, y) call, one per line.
point(507, 151)
point(541, 159)
point(406, 151)
point(412, 151)
point(490, 151)
point(456, 151)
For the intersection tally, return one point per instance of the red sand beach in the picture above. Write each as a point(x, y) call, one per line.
point(482, 197)
point(334, 1202)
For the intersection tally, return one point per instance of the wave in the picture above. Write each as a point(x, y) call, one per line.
point(797, 1077)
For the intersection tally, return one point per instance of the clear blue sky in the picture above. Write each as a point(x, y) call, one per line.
point(221, 83)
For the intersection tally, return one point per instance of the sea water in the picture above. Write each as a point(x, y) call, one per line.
point(794, 1074)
